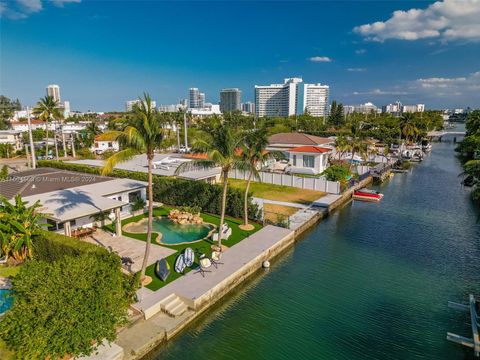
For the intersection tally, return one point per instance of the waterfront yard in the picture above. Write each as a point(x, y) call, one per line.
point(277, 213)
point(204, 246)
point(278, 192)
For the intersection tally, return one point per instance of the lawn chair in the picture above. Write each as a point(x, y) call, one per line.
point(215, 258)
point(205, 263)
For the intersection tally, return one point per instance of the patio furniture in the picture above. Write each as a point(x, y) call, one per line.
point(215, 258)
point(162, 269)
point(205, 263)
point(189, 257)
point(180, 264)
point(225, 232)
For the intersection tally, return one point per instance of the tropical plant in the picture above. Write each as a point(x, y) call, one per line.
point(67, 307)
point(47, 108)
point(138, 204)
point(19, 224)
point(101, 217)
point(408, 127)
point(142, 135)
point(336, 116)
point(221, 151)
point(4, 172)
point(336, 173)
point(253, 153)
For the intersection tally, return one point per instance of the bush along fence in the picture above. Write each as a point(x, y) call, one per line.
point(301, 182)
point(176, 192)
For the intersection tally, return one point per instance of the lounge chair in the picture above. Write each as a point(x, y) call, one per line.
point(205, 263)
point(215, 258)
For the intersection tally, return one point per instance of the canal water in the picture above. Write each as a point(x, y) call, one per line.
point(372, 281)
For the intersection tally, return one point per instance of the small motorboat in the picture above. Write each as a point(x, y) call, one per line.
point(180, 264)
point(367, 195)
point(162, 269)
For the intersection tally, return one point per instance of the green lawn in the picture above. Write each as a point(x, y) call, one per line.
point(278, 192)
point(5, 354)
point(203, 245)
point(9, 271)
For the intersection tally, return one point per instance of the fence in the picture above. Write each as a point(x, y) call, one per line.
point(301, 182)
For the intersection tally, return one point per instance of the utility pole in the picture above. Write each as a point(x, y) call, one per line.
point(30, 136)
point(73, 144)
point(185, 128)
point(26, 154)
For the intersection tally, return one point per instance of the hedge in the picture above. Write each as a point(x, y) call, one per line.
point(176, 192)
point(50, 246)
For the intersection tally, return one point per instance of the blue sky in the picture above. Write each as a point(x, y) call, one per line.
point(103, 53)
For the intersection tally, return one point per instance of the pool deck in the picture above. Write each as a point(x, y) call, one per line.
point(199, 293)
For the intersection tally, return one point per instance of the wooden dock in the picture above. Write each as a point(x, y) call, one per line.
point(474, 341)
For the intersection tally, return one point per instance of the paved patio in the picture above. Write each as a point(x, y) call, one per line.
point(128, 247)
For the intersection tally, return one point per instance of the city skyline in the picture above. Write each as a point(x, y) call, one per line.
point(372, 55)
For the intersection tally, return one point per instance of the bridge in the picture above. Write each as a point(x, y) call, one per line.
point(443, 133)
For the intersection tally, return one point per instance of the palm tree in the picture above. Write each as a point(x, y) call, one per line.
point(142, 135)
point(48, 109)
point(221, 151)
point(91, 130)
point(355, 143)
point(254, 153)
point(19, 224)
point(407, 126)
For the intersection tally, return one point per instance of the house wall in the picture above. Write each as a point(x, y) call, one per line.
point(105, 146)
point(320, 161)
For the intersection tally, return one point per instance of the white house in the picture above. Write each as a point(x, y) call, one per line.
point(12, 137)
point(308, 159)
point(103, 143)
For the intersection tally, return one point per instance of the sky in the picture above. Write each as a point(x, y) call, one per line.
point(102, 53)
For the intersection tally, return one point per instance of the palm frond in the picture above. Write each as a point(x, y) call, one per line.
point(118, 157)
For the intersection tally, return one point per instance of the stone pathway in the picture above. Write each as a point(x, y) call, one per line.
point(127, 247)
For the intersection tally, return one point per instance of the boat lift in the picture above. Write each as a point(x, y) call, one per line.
point(473, 342)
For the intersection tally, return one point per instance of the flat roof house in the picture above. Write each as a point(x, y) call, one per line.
point(12, 137)
point(70, 200)
point(104, 143)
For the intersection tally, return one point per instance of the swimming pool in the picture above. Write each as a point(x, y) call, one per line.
point(6, 300)
point(173, 234)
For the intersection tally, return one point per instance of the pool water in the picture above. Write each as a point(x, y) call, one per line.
point(175, 233)
point(6, 300)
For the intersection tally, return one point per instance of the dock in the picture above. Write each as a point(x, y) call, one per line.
point(474, 341)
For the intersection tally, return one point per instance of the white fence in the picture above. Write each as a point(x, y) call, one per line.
point(311, 183)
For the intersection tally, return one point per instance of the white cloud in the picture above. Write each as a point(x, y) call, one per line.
point(446, 20)
point(360, 51)
point(455, 85)
point(356, 69)
point(380, 92)
point(30, 6)
point(20, 9)
point(319, 59)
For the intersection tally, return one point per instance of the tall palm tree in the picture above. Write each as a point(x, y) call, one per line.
point(254, 153)
point(221, 151)
point(91, 130)
point(48, 109)
point(408, 127)
point(142, 135)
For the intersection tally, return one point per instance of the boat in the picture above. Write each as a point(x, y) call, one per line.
point(180, 264)
point(162, 269)
point(189, 257)
point(367, 195)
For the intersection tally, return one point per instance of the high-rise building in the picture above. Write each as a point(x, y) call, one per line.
point(413, 108)
point(277, 99)
point(395, 108)
point(201, 100)
point(230, 100)
point(291, 98)
point(315, 99)
point(248, 107)
point(130, 103)
point(194, 97)
point(54, 91)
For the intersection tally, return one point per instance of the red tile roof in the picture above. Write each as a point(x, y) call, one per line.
point(310, 149)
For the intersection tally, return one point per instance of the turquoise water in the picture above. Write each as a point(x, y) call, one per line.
point(5, 300)
point(372, 281)
point(176, 234)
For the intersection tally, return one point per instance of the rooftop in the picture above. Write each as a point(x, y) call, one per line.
point(298, 139)
point(310, 149)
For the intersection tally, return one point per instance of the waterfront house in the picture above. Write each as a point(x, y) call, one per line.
point(286, 141)
point(71, 200)
point(308, 159)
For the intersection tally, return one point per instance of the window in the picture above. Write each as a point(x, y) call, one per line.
point(109, 144)
point(134, 196)
point(308, 161)
point(294, 160)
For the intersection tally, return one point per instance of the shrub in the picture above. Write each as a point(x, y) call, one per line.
point(50, 246)
point(64, 307)
point(336, 173)
point(176, 192)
